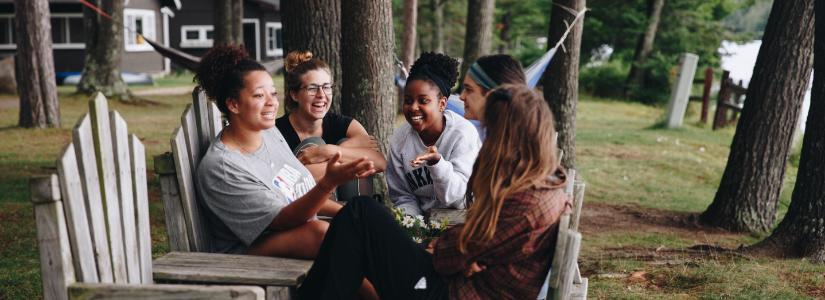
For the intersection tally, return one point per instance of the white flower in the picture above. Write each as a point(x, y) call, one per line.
point(408, 221)
point(417, 240)
point(435, 224)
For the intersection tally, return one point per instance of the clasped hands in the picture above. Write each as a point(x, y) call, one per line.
point(471, 270)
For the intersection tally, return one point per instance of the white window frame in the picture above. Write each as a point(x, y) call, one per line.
point(149, 29)
point(201, 42)
point(65, 18)
point(11, 46)
point(278, 50)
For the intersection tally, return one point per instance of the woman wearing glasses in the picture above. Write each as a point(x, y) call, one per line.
point(312, 132)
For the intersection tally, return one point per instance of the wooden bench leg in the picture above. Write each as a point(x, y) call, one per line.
point(281, 293)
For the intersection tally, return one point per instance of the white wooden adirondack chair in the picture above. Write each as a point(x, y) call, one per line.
point(93, 219)
point(200, 124)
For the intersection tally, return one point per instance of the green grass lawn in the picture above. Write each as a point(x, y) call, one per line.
point(626, 160)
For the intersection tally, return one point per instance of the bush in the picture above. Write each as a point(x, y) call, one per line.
point(604, 80)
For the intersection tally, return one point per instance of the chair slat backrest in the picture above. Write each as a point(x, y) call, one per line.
point(76, 217)
point(123, 166)
point(102, 133)
point(84, 147)
point(578, 202)
point(56, 266)
point(141, 196)
point(94, 227)
point(186, 185)
point(569, 267)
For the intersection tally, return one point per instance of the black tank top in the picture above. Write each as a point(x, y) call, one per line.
point(334, 128)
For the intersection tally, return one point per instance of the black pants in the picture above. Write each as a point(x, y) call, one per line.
point(364, 240)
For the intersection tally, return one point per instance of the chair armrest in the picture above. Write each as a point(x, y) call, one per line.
point(162, 291)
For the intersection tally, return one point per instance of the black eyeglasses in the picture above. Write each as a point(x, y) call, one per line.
point(313, 89)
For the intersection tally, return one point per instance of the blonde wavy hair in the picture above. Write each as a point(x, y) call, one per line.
point(518, 153)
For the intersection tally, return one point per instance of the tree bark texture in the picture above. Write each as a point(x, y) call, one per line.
point(408, 39)
point(645, 46)
point(367, 48)
point(748, 193)
point(237, 23)
point(802, 232)
point(504, 32)
point(104, 49)
point(223, 22)
point(561, 79)
point(322, 36)
point(34, 66)
point(438, 25)
point(479, 34)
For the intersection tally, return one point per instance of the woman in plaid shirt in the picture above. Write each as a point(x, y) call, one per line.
point(504, 249)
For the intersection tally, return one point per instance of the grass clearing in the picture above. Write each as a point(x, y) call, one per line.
point(627, 161)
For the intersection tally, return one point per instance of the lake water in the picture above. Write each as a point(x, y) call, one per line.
point(739, 59)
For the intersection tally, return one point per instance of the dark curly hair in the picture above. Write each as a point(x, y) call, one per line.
point(502, 69)
point(221, 72)
point(439, 69)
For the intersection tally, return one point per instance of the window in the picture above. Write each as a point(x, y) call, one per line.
point(196, 36)
point(139, 23)
point(7, 34)
point(274, 45)
point(67, 31)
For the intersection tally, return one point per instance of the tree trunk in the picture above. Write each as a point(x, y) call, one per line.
point(322, 36)
point(222, 20)
point(750, 186)
point(237, 23)
point(645, 46)
point(479, 32)
point(504, 33)
point(438, 25)
point(104, 49)
point(802, 232)
point(561, 79)
point(408, 39)
point(368, 92)
point(34, 66)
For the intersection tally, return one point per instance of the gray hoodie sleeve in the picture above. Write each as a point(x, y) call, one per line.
point(400, 192)
point(450, 176)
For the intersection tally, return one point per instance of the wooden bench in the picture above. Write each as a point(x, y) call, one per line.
point(93, 219)
point(185, 225)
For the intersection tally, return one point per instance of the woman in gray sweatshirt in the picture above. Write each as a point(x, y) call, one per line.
point(432, 155)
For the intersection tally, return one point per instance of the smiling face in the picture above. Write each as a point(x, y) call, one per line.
point(473, 96)
point(314, 106)
point(423, 108)
point(257, 102)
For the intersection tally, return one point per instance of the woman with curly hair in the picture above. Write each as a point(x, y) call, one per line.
point(259, 198)
point(502, 251)
point(312, 132)
point(432, 155)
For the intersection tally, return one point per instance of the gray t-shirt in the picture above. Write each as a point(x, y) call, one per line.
point(244, 192)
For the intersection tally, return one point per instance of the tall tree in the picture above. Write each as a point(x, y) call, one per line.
point(479, 30)
point(802, 232)
point(322, 36)
point(367, 47)
point(408, 38)
point(104, 49)
point(437, 7)
point(35, 66)
point(748, 193)
point(561, 79)
point(645, 46)
point(228, 22)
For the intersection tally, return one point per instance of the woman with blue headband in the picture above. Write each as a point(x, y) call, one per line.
point(487, 73)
